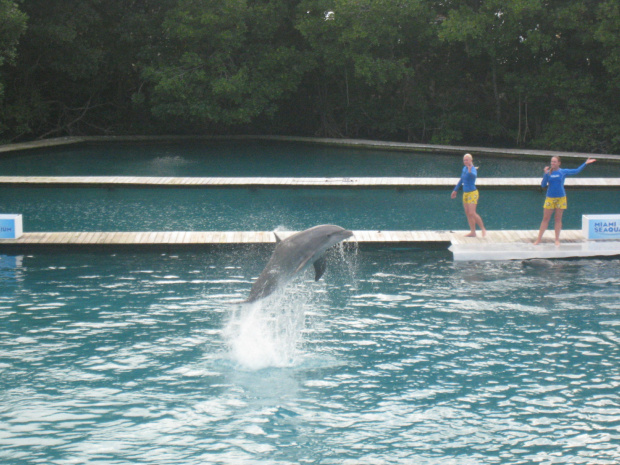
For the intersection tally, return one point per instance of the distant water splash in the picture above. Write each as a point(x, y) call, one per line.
point(169, 165)
point(169, 160)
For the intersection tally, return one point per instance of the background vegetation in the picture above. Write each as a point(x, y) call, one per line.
point(530, 73)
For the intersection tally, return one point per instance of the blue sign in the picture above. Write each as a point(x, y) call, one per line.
point(10, 226)
point(7, 229)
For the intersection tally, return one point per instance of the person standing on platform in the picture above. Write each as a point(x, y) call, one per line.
point(555, 201)
point(470, 195)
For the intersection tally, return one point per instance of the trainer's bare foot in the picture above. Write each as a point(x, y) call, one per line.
point(470, 235)
point(537, 241)
point(484, 233)
point(557, 242)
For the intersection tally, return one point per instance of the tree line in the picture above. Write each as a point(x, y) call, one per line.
point(521, 73)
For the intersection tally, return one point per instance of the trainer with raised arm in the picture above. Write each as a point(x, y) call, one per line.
point(555, 201)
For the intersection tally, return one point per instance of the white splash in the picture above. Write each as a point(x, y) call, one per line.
point(268, 333)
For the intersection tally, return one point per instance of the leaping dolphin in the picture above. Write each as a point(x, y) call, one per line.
point(293, 254)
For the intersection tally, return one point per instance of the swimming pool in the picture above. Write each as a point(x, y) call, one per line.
point(395, 356)
point(265, 158)
point(170, 209)
point(400, 357)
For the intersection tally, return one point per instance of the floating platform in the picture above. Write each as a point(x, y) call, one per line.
point(497, 245)
point(524, 251)
point(305, 183)
point(518, 245)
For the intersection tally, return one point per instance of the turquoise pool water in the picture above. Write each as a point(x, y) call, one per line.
point(263, 158)
point(77, 209)
point(394, 357)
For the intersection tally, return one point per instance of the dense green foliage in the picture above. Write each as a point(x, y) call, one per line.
point(528, 73)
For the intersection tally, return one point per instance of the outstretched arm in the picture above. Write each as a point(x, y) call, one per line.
point(580, 169)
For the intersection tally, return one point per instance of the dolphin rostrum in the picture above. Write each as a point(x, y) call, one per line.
point(293, 254)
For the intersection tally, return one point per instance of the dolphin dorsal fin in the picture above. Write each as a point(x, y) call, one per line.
point(278, 240)
point(319, 267)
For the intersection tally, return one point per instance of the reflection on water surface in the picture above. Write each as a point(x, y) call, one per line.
point(401, 357)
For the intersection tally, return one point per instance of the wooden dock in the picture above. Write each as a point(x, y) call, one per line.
point(497, 245)
point(305, 183)
point(181, 238)
point(184, 238)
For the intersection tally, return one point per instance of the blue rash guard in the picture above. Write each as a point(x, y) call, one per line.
point(468, 180)
point(555, 181)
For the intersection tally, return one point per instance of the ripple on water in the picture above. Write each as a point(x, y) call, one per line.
point(131, 358)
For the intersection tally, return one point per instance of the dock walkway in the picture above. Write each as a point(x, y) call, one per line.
point(180, 238)
point(497, 245)
point(283, 182)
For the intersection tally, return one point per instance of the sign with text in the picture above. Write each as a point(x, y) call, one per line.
point(10, 226)
point(601, 226)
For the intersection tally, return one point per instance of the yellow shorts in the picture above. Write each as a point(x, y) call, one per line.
point(551, 203)
point(471, 197)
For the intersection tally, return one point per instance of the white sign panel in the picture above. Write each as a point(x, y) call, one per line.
point(597, 227)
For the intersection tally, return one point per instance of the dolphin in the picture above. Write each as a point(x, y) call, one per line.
point(293, 254)
point(538, 263)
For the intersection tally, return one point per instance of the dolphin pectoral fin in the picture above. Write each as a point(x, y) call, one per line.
point(304, 262)
point(319, 267)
